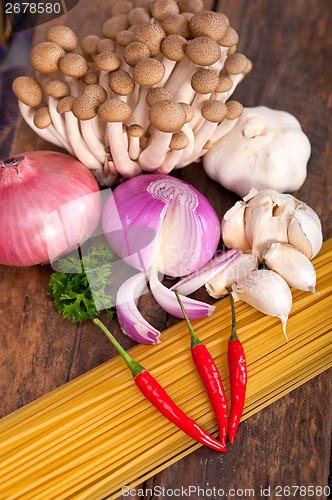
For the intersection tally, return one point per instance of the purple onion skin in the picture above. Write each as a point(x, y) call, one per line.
point(134, 206)
point(32, 189)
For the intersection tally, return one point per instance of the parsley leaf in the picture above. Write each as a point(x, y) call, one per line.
point(71, 290)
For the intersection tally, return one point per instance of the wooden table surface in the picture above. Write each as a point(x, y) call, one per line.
point(288, 443)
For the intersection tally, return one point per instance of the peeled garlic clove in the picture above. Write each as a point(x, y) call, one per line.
point(232, 228)
point(292, 265)
point(305, 231)
point(267, 292)
point(235, 271)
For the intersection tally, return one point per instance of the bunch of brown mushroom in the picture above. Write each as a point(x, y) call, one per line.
point(150, 94)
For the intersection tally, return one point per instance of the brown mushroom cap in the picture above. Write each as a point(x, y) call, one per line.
point(189, 111)
point(204, 81)
point(106, 44)
point(42, 117)
point(107, 61)
point(248, 68)
point(135, 130)
point(203, 51)
point(89, 44)
point(45, 57)
point(90, 78)
point(191, 5)
point(208, 23)
point(121, 82)
point(167, 116)
point(148, 72)
point(112, 27)
point(27, 90)
point(230, 38)
point(234, 110)
point(135, 52)
point(176, 25)
point(95, 93)
point(161, 9)
point(138, 15)
point(114, 110)
point(174, 47)
point(124, 38)
point(179, 141)
point(157, 94)
point(232, 50)
point(63, 36)
point(236, 64)
point(65, 105)
point(121, 7)
point(214, 111)
point(84, 108)
point(224, 85)
point(57, 89)
point(146, 4)
point(73, 65)
point(151, 35)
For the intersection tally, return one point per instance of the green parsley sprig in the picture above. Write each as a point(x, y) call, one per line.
point(70, 288)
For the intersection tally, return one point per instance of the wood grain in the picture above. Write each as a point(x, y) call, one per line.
point(287, 443)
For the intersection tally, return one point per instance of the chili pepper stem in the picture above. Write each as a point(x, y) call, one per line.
point(234, 335)
point(134, 367)
point(194, 339)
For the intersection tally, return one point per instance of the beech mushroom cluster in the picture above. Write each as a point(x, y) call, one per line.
point(150, 94)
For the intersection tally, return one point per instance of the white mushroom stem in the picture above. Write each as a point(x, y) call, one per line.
point(188, 151)
point(170, 162)
point(80, 148)
point(181, 74)
point(201, 137)
point(141, 112)
point(59, 123)
point(124, 165)
point(154, 155)
point(197, 104)
point(73, 85)
point(103, 82)
point(48, 134)
point(222, 129)
point(169, 66)
point(99, 129)
point(218, 66)
point(134, 147)
point(96, 147)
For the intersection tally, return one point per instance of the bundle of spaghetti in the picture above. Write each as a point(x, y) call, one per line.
point(93, 435)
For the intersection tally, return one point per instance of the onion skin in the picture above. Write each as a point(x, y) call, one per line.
point(32, 192)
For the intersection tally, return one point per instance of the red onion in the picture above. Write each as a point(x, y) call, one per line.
point(49, 203)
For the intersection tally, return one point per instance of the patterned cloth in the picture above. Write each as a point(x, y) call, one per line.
point(13, 27)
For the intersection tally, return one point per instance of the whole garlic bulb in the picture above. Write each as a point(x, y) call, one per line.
point(265, 149)
point(266, 217)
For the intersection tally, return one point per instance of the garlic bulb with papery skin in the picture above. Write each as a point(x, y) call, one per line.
point(292, 265)
point(265, 149)
point(270, 217)
point(49, 204)
point(267, 292)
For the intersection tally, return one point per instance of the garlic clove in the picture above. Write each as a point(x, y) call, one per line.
point(305, 231)
point(268, 292)
point(266, 217)
point(232, 228)
point(292, 265)
point(235, 271)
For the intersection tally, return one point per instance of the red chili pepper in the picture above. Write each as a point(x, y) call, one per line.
point(153, 391)
point(210, 376)
point(237, 375)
